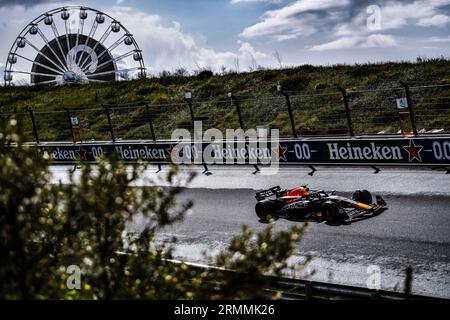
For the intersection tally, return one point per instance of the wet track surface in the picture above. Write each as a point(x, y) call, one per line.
point(398, 237)
point(414, 230)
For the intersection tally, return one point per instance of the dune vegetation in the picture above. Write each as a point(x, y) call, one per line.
point(317, 103)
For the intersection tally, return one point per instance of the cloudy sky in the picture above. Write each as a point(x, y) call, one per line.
point(213, 33)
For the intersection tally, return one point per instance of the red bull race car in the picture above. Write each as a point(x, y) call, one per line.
point(302, 202)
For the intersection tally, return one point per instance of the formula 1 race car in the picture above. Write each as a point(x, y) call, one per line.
point(305, 203)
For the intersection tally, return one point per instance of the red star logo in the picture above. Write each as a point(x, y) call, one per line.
point(413, 151)
point(81, 153)
point(282, 153)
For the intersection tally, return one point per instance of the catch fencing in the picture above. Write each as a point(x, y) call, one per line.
point(328, 112)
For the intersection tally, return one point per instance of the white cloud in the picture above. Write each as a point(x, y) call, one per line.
point(244, 1)
point(437, 39)
point(2, 69)
point(291, 21)
point(164, 47)
point(347, 20)
point(438, 20)
point(379, 40)
point(372, 41)
point(169, 47)
point(395, 15)
point(247, 48)
point(284, 37)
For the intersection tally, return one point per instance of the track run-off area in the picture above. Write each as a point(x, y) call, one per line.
point(414, 230)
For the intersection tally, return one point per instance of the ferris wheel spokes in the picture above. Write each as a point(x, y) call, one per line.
point(63, 64)
point(112, 71)
point(91, 35)
point(100, 66)
point(44, 55)
point(78, 32)
point(49, 81)
point(108, 50)
point(100, 41)
point(34, 73)
point(66, 25)
point(82, 57)
point(56, 33)
point(39, 64)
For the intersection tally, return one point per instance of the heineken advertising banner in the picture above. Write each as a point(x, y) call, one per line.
point(434, 151)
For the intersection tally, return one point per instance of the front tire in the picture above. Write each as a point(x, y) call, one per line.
point(330, 210)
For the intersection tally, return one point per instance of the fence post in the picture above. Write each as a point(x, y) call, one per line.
point(150, 121)
point(288, 103)
point(347, 110)
point(188, 99)
point(408, 281)
point(70, 124)
point(152, 131)
point(241, 123)
point(108, 116)
point(308, 291)
point(410, 107)
point(238, 109)
point(33, 123)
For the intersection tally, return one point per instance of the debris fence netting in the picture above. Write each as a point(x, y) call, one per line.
point(370, 111)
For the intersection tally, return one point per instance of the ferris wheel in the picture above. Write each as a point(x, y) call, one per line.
point(74, 44)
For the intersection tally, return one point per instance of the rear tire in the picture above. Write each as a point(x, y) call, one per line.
point(362, 196)
point(330, 210)
point(267, 209)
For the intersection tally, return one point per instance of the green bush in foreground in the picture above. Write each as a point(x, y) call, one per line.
point(105, 225)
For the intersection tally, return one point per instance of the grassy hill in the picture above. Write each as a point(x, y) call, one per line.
point(317, 104)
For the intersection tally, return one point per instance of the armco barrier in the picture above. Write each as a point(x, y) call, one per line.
point(297, 289)
point(423, 150)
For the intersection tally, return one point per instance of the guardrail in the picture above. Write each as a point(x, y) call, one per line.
point(297, 289)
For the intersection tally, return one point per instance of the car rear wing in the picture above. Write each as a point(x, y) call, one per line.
point(261, 195)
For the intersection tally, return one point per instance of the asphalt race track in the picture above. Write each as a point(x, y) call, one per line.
point(396, 238)
point(414, 230)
